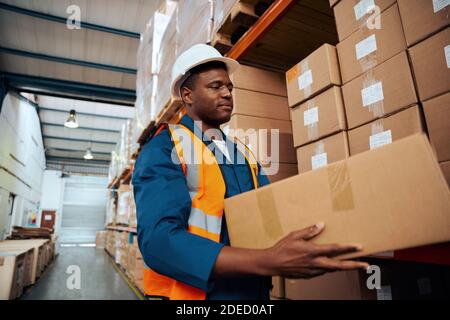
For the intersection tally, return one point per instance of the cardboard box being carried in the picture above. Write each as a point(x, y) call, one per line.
point(387, 88)
point(445, 167)
point(317, 72)
point(391, 198)
point(369, 47)
point(318, 117)
point(431, 65)
point(437, 115)
point(421, 18)
point(386, 130)
point(323, 152)
point(352, 14)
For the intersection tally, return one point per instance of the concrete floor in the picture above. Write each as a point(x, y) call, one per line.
point(99, 280)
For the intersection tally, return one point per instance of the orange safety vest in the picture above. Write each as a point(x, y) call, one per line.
point(207, 191)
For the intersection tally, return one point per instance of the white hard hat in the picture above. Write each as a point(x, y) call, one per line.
point(192, 57)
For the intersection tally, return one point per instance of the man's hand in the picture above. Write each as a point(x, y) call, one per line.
point(295, 256)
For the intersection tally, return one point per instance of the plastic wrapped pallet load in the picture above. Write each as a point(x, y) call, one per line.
point(168, 53)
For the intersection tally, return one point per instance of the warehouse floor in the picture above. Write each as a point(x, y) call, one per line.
point(100, 280)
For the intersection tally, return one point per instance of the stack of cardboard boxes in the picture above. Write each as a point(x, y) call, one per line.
point(260, 109)
point(125, 198)
point(427, 33)
point(135, 267)
point(394, 59)
point(318, 118)
point(100, 239)
point(390, 67)
point(379, 79)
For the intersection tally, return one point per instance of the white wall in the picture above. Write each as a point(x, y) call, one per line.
point(53, 194)
point(22, 160)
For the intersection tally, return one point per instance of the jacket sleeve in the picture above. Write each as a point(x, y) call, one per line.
point(163, 207)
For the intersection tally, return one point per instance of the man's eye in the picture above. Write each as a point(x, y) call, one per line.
point(230, 88)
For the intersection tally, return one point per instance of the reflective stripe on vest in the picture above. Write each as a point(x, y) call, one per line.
point(207, 191)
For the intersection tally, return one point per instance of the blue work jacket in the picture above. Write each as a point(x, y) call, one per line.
point(163, 206)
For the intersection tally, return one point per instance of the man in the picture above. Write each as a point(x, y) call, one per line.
point(182, 230)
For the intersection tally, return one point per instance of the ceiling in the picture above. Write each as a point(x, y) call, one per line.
point(91, 70)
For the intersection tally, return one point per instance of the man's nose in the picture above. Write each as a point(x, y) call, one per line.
point(226, 93)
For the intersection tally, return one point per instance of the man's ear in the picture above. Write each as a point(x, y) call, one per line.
point(186, 95)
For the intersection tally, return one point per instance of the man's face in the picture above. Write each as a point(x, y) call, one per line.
point(210, 99)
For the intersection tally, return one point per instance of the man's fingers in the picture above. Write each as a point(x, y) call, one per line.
point(332, 250)
point(309, 233)
point(333, 264)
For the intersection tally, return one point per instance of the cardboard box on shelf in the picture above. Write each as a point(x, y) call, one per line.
point(421, 18)
point(317, 72)
point(437, 115)
point(369, 47)
point(281, 150)
point(256, 79)
point(381, 91)
point(323, 152)
point(445, 167)
point(431, 65)
point(285, 170)
point(277, 287)
point(344, 285)
point(100, 239)
point(355, 197)
point(386, 130)
point(318, 117)
point(352, 14)
point(253, 103)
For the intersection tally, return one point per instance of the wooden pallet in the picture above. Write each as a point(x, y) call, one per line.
point(124, 178)
point(239, 20)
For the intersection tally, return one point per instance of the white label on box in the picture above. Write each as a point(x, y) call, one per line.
point(365, 47)
point(363, 7)
point(447, 55)
point(311, 116)
point(380, 139)
point(319, 160)
point(48, 217)
point(305, 80)
point(372, 94)
point(438, 5)
point(385, 293)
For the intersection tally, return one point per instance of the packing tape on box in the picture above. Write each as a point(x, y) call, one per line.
point(271, 220)
point(320, 157)
point(311, 120)
point(292, 74)
point(305, 80)
point(340, 187)
point(379, 137)
point(372, 94)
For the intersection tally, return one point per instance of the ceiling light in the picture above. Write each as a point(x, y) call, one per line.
point(71, 122)
point(88, 155)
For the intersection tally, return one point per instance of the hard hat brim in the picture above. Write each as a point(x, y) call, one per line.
point(232, 66)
